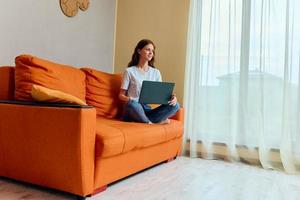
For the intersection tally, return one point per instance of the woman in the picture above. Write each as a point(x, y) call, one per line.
point(141, 68)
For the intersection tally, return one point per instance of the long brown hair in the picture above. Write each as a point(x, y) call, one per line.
point(136, 56)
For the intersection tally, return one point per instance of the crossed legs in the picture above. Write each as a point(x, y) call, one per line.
point(137, 112)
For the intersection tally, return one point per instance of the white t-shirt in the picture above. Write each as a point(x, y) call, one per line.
point(133, 78)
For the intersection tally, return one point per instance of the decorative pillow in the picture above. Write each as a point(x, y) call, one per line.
point(7, 83)
point(40, 93)
point(102, 92)
point(33, 70)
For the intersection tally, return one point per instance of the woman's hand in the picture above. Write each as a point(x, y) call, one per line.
point(123, 97)
point(173, 100)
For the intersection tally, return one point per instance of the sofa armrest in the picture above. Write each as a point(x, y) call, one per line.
point(44, 104)
point(179, 115)
point(48, 145)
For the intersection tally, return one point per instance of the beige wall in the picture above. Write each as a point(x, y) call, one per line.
point(39, 27)
point(163, 21)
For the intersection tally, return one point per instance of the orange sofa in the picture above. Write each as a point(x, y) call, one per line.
point(78, 149)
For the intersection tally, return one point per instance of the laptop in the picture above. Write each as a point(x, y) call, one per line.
point(154, 92)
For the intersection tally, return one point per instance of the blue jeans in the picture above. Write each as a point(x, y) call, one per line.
point(138, 112)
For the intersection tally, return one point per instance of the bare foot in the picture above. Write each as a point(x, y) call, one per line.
point(166, 121)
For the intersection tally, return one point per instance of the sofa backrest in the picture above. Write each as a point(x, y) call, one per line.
point(7, 83)
point(96, 88)
point(102, 92)
point(33, 70)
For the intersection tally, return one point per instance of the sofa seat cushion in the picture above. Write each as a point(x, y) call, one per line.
point(115, 137)
point(31, 70)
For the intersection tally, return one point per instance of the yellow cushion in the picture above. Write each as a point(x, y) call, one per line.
point(40, 93)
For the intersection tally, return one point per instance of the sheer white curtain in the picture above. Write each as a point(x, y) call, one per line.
point(242, 94)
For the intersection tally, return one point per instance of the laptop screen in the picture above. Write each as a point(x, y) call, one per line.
point(154, 92)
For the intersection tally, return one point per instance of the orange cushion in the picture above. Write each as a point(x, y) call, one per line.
point(33, 70)
point(115, 137)
point(7, 83)
point(109, 140)
point(102, 91)
point(43, 94)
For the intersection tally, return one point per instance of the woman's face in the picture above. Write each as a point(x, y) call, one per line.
point(147, 52)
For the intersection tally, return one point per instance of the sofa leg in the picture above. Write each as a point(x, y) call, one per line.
point(171, 159)
point(81, 198)
point(101, 189)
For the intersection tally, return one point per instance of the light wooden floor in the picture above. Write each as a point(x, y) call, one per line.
point(181, 179)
